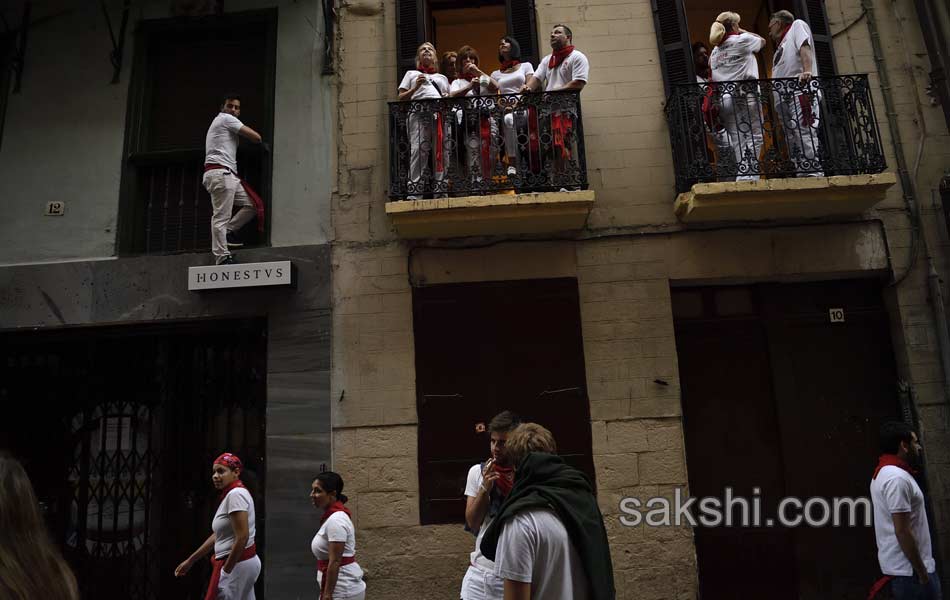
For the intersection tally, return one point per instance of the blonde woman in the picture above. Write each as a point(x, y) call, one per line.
point(425, 127)
point(31, 567)
point(733, 61)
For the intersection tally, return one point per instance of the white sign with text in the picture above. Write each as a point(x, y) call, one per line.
point(240, 275)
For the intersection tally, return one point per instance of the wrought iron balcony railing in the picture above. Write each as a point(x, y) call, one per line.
point(486, 144)
point(773, 128)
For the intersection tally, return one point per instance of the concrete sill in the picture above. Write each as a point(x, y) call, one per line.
point(776, 199)
point(500, 214)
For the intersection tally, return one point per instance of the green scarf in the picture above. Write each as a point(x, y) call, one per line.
point(545, 481)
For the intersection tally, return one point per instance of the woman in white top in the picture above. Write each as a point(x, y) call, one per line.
point(510, 78)
point(733, 60)
point(478, 128)
point(235, 564)
point(425, 126)
point(339, 577)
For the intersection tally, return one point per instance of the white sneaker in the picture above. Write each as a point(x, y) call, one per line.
point(412, 197)
point(512, 171)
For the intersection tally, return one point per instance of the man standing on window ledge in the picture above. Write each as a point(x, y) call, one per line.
point(224, 185)
point(562, 70)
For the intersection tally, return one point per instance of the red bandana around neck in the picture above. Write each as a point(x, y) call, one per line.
point(506, 478)
point(509, 64)
point(427, 70)
point(237, 483)
point(558, 56)
point(783, 34)
point(892, 460)
point(334, 508)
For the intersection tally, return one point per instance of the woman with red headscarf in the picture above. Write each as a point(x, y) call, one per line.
point(338, 575)
point(235, 565)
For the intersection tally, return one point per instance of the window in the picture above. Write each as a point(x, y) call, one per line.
point(484, 22)
point(486, 347)
point(680, 23)
point(182, 69)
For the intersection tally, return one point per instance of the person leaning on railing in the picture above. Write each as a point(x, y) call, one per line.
point(733, 60)
point(511, 77)
point(424, 126)
point(796, 104)
point(564, 69)
point(710, 109)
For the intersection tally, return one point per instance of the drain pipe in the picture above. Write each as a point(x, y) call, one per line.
point(909, 190)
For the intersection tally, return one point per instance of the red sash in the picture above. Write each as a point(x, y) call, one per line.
point(217, 564)
point(439, 142)
point(253, 195)
point(560, 128)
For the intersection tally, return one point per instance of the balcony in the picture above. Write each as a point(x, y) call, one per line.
point(488, 165)
point(776, 149)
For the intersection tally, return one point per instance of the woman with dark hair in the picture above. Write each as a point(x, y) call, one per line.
point(235, 564)
point(32, 567)
point(478, 127)
point(338, 575)
point(511, 77)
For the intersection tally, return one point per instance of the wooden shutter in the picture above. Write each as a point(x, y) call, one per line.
point(412, 29)
point(676, 58)
point(523, 26)
point(813, 13)
point(7, 51)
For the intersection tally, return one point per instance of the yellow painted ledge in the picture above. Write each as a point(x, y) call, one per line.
point(797, 198)
point(500, 214)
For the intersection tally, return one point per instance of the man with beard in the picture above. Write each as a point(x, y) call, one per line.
point(488, 485)
point(900, 518)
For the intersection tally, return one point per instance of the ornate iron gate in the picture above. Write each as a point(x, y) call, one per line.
point(117, 428)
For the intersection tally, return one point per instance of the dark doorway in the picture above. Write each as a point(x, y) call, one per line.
point(485, 347)
point(778, 397)
point(129, 420)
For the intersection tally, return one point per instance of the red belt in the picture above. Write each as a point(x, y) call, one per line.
point(323, 565)
point(253, 195)
point(218, 563)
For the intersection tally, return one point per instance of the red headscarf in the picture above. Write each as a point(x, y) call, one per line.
point(558, 56)
point(234, 463)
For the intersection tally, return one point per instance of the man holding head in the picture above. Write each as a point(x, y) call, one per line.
point(227, 190)
point(797, 105)
point(549, 540)
point(488, 484)
point(901, 529)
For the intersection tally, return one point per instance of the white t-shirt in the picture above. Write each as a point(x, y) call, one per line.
point(511, 83)
point(734, 58)
point(237, 500)
point(575, 66)
point(472, 483)
point(787, 62)
point(339, 528)
point(221, 142)
point(460, 84)
point(895, 491)
point(437, 87)
point(534, 548)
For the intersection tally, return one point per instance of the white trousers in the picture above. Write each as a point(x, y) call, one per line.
point(226, 193)
point(479, 584)
point(239, 583)
point(741, 115)
point(422, 146)
point(801, 134)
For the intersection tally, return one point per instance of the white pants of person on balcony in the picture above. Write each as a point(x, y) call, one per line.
point(741, 115)
point(426, 143)
point(798, 113)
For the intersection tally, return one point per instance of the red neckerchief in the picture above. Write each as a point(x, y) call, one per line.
point(237, 483)
point(782, 36)
point(506, 478)
point(426, 70)
point(728, 35)
point(558, 56)
point(333, 508)
point(892, 460)
point(509, 64)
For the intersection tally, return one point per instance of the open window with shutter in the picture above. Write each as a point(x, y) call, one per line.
point(813, 13)
point(182, 70)
point(669, 17)
point(522, 24)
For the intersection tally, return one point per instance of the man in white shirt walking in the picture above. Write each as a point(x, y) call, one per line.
point(900, 517)
point(222, 182)
point(797, 105)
